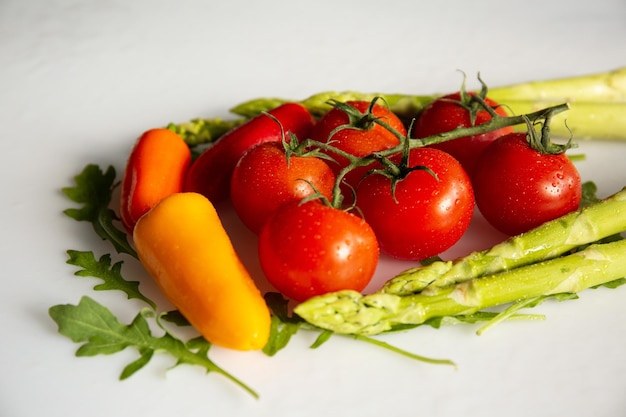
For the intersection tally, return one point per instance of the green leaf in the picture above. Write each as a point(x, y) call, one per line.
point(131, 368)
point(93, 190)
point(280, 334)
point(511, 311)
point(323, 337)
point(111, 275)
point(175, 317)
point(589, 196)
point(282, 327)
point(612, 284)
point(101, 332)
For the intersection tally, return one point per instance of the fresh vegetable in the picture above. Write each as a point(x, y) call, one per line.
point(490, 278)
point(182, 244)
point(598, 221)
point(312, 248)
point(353, 313)
point(94, 190)
point(459, 110)
point(110, 274)
point(597, 104)
point(522, 272)
point(270, 175)
point(202, 131)
point(95, 325)
point(156, 168)
point(597, 101)
point(522, 180)
point(103, 334)
point(358, 128)
point(420, 207)
point(210, 173)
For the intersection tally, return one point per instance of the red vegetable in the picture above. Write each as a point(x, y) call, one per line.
point(155, 169)
point(430, 212)
point(311, 249)
point(362, 137)
point(263, 180)
point(518, 188)
point(210, 173)
point(451, 112)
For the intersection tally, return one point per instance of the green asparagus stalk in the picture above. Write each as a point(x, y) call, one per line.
point(584, 120)
point(597, 101)
point(549, 240)
point(609, 86)
point(201, 131)
point(349, 312)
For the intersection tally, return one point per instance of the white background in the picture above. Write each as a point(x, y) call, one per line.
point(80, 80)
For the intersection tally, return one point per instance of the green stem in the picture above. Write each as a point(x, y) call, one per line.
point(403, 352)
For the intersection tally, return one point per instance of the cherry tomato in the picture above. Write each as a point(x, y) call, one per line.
point(446, 114)
point(310, 249)
point(210, 173)
point(518, 188)
point(430, 212)
point(263, 180)
point(355, 141)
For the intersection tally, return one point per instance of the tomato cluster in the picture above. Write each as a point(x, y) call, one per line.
point(327, 196)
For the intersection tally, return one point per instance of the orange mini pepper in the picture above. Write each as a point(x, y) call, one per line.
point(182, 244)
point(156, 168)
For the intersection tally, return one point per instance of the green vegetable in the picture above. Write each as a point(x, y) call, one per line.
point(94, 189)
point(111, 275)
point(353, 313)
point(554, 238)
point(200, 131)
point(597, 101)
point(100, 331)
point(103, 334)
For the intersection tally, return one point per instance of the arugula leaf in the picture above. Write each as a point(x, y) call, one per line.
point(94, 189)
point(282, 326)
point(111, 275)
point(589, 195)
point(402, 352)
point(323, 337)
point(175, 317)
point(103, 334)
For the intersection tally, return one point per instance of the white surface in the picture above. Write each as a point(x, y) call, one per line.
point(79, 80)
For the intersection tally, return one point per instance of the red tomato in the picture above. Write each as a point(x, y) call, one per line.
point(263, 181)
point(311, 249)
point(357, 142)
point(210, 173)
point(518, 188)
point(446, 114)
point(429, 215)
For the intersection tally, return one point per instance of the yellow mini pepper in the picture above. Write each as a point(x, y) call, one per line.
point(182, 244)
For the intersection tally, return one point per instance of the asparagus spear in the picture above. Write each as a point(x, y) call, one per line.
point(349, 312)
point(597, 101)
point(551, 239)
point(201, 131)
point(609, 86)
